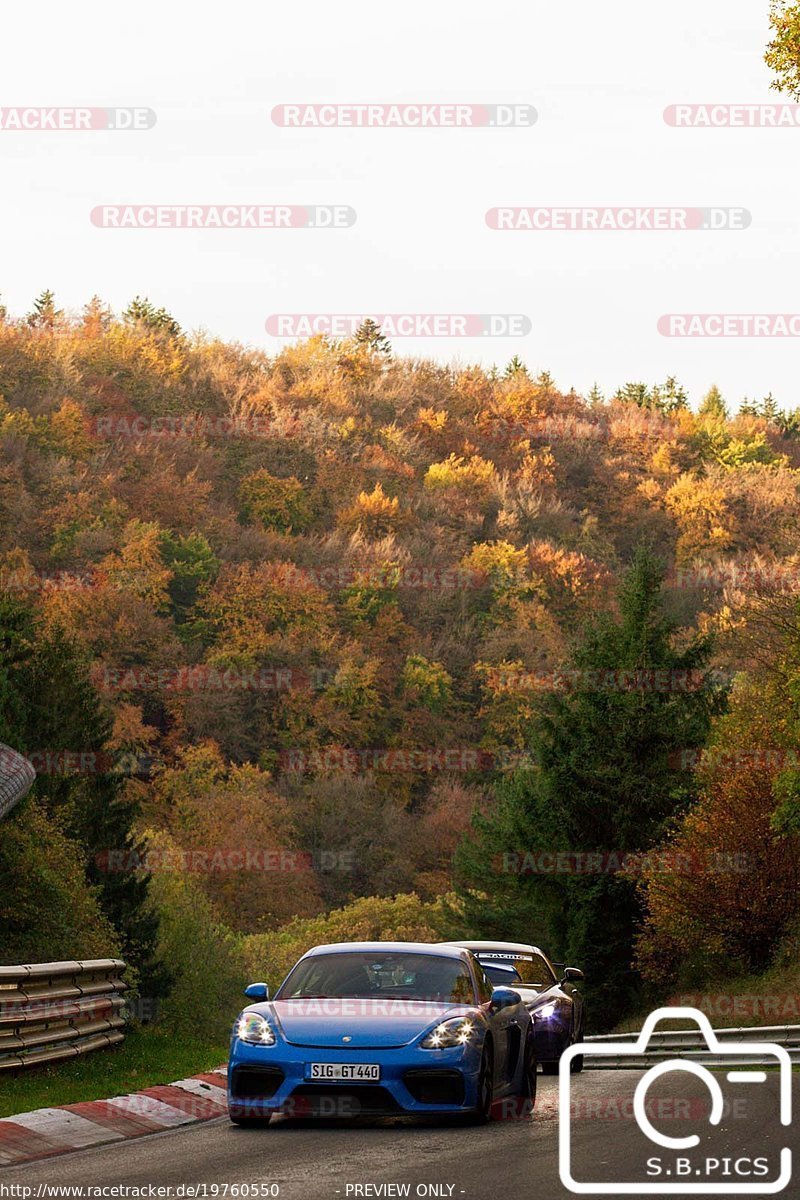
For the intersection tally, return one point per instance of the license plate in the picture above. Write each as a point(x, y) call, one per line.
point(351, 1071)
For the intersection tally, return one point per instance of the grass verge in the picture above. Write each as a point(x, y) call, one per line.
point(148, 1056)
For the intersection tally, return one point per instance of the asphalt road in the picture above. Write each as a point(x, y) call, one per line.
point(330, 1160)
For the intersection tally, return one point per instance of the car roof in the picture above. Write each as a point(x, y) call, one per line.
point(443, 950)
point(511, 947)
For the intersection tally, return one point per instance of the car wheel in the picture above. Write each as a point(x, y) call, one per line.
point(528, 1087)
point(550, 1068)
point(576, 1066)
point(483, 1112)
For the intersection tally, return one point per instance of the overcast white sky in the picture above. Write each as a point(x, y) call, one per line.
point(599, 75)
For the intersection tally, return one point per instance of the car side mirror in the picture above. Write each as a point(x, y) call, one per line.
point(257, 991)
point(573, 975)
point(504, 997)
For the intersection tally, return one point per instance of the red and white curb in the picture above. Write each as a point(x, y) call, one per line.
point(50, 1131)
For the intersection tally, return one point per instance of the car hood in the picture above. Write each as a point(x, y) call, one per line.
point(378, 1023)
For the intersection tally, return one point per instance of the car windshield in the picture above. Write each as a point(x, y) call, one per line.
point(524, 970)
point(372, 975)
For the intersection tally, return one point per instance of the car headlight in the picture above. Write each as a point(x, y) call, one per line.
point(547, 1010)
point(252, 1027)
point(458, 1031)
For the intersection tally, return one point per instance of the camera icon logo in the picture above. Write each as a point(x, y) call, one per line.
point(679, 1171)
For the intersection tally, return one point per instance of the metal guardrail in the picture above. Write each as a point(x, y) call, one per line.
point(689, 1044)
point(54, 1011)
point(16, 778)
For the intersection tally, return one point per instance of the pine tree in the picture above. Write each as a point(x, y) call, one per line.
point(48, 703)
point(143, 312)
point(369, 337)
point(672, 396)
point(514, 368)
point(713, 405)
point(65, 713)
point(605, 780)
point(635, 393)
point(45, 315)
point(16, 635)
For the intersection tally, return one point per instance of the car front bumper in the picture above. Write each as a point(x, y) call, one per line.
point(263, 1080)
point(551, 1036)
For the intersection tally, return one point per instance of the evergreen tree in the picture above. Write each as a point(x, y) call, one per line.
point(670, 396)
point(143, 312)
point(607, 779)
point(192, 563)
point(48, 703)
point(44, 315)
point(713, 405)
point(789, 423)
point(515, 367)
point(369, 337)
point(65, 714)
point(16, 635)
point(634, 393)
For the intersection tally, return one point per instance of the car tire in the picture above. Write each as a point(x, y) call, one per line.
point(483, 1112)
point(550, 1068)
point(529, 1078)
point(576, 1066)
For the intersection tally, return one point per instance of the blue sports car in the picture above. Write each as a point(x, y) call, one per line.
point(382, 1028)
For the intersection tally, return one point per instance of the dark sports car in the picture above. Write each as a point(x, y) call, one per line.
point(376, 1028)
point(554, 1002)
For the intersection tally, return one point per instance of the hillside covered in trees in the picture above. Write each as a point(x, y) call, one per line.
point(284, 633)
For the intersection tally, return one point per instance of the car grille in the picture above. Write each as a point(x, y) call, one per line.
point(255, 1083)
point(325, 1101)
point(435, 1087)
